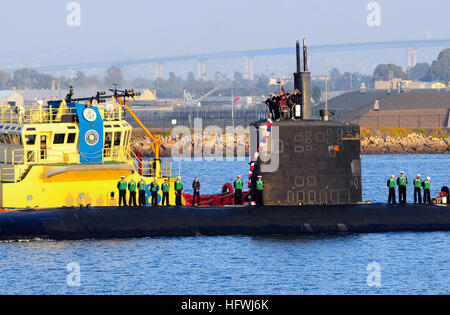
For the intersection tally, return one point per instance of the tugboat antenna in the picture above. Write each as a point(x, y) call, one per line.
point(120, 96)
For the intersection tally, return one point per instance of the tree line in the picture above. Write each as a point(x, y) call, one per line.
point(439, 70)
point(27, 79)
point(174, 86)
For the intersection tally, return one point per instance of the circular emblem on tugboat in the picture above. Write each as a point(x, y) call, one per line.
point(89, 114)
point(91, 137)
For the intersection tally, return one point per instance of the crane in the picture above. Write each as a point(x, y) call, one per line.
point(190, 101)
point(156, 139)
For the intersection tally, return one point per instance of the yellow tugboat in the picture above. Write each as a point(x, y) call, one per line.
point(73, 152)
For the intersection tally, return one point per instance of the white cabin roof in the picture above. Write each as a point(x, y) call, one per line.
point(6, 93)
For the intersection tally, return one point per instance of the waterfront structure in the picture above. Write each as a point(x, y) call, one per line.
point(11, 98)
point(406, 85)
point(379, 108)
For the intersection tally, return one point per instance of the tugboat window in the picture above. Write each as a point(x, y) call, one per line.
point(43, 147)
point(117, 137)
point(108, 144)
point(19, 138)
point(59, 138)
point(127, 138)
point(30, 139)
point(108, 139)
point(71, 138)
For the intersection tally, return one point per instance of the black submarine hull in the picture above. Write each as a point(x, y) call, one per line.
point(129, 222)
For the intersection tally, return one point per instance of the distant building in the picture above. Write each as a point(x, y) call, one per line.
point(376, 108)
point(437, 86)
point(404, 85)
point(147, 95)
point(11, 98)
point(386, 85)
point(414, 85)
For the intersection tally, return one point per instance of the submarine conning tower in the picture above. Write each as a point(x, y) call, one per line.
point(317, 161)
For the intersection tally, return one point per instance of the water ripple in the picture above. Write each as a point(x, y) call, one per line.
point(411, 263)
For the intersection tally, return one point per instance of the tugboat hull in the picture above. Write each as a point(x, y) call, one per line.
point(127, 222)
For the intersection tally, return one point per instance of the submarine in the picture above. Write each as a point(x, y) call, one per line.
point(312, 184)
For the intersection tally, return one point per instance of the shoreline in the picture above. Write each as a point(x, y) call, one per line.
point(391, 141)
point(374, 141)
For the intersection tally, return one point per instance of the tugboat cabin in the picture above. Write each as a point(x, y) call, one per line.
point(68, 154)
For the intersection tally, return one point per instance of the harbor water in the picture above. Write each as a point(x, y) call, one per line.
point(405, 263)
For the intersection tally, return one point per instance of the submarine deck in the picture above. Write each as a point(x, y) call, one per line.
point(129, 222)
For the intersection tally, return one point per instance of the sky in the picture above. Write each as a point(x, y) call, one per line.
point(36, 32)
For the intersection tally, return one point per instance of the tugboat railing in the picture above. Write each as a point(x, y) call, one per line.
point(8, 174)
point(35, 115)
point(12, 157)
point(14, 163)
point(169, 169)
point(18, 115)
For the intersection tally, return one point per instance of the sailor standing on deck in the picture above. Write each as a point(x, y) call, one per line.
point(297, 100)
point(259, 192)
point(165, 187)
point(418, 183)
point(391, 185)
point(132, 188)
point(276, 106)
point(142, 185)
point(426, 190)
point(290, 105)
point(238, 185)
point(122, 187)
point(196, 188)
point(154, 189)
point(283, 107)
point(402, 181)
point(178, 185)
point(269, 105)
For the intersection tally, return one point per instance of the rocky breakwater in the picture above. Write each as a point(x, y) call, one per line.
point(401, 141)
point(373, 141)
point(208, 146)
